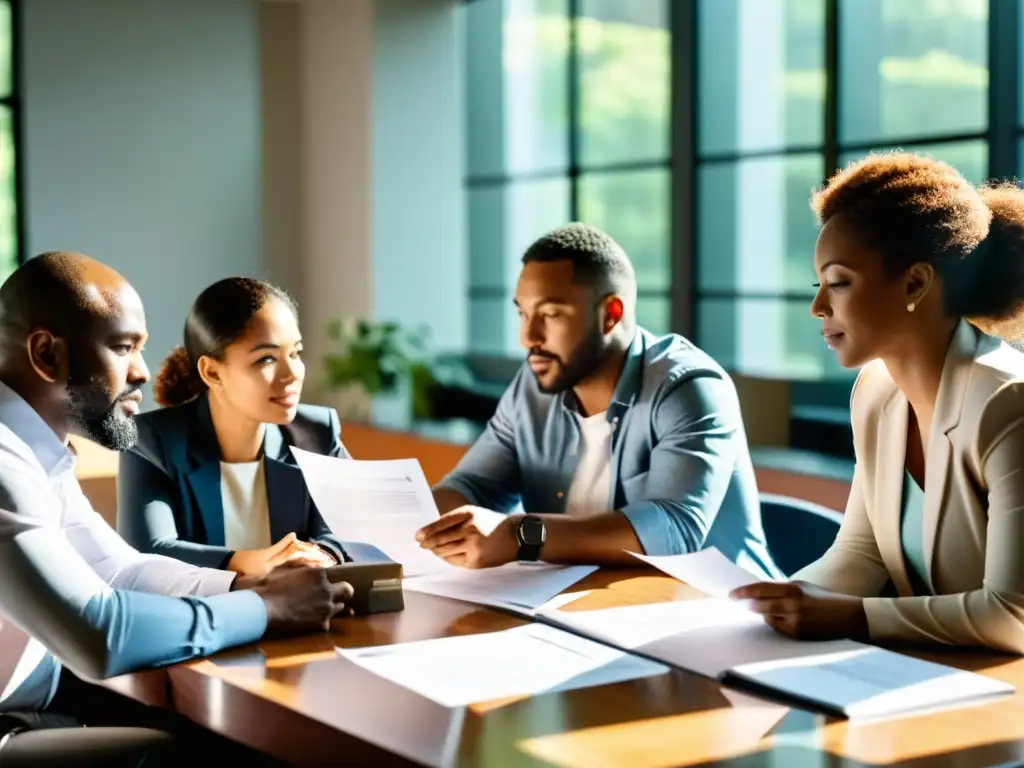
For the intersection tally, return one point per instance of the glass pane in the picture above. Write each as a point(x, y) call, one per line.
point(504, 221)
point(633, 207)
point(1020, 65)
point(775, 338)
point(762, 74)
point(493, 326)
point(6, 48)
point(654, 313)
point(968, 157)
point(912, 68)
point(8, 198)
point(756, 229)
point(517, 86)
point(624, 81)
point(1020, 154)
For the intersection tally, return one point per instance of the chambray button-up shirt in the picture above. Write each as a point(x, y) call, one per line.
point(680, 467)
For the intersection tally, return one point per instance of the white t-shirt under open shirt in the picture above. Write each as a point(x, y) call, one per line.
point(590, 492)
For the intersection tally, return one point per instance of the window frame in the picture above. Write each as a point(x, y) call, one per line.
point(13, 102)
point(1003, 135)
point(573, 172)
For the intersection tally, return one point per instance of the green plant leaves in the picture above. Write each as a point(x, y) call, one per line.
point(379, 357)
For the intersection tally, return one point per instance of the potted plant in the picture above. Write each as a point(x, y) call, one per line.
point(388, 363)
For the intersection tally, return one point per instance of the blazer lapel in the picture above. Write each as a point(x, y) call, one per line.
point(204, 475)
point(286, 489)
point(892, 446)
point(948, 406)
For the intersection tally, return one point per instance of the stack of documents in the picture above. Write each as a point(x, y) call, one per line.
point(527, 660)
point(719, 638)
point(384, 503)
point(868, 682)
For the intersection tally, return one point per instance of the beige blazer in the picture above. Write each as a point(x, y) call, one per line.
point(974, 503)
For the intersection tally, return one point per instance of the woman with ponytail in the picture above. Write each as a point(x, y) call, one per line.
point(212, 480)
point(916, 268)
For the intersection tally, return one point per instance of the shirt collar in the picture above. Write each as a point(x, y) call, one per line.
point(632, 375)
point(630, 380)
point(26, 423)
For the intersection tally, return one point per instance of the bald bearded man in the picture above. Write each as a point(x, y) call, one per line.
point(71, 338)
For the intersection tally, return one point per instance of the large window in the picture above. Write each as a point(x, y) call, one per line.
point(568, 105)
point(788, 90)
point(10, 246)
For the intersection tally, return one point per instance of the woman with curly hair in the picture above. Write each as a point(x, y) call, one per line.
point(212, 480)
point(917, 268)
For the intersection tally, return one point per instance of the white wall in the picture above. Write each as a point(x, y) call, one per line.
point(280, 108)
point(142, 143)
point(419, 258)
point(335, 86)
point(158, 132)
point(376, 168)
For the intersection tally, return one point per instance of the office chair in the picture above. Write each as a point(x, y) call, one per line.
point(798, 532)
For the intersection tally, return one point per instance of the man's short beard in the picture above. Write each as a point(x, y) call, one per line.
point(582, 362)
point(92, 414)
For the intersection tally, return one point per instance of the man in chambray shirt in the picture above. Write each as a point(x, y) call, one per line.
point(614, 440)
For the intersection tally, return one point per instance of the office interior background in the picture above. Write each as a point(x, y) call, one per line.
point(390, 160)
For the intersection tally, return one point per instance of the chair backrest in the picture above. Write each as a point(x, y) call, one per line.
point(798, 532)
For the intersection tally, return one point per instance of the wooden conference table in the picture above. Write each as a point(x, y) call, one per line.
point(296, 700)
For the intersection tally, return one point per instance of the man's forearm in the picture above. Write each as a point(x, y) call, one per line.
point(599, 540)
point(199, 555)
point(123, 567)
point(162, 575)
point(143, 630)
point(101, 631)
point(446, 500)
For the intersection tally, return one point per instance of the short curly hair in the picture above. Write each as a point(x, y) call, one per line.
point(596, 257)
point(912, 208)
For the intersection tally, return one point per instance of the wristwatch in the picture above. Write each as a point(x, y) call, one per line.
point(531, 535)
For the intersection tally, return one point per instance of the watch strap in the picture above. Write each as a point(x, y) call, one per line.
point(528, 553)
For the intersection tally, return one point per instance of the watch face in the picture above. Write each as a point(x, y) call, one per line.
point(532, 531)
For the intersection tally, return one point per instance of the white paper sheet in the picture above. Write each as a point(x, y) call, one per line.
point(871, 682)
point(638, 626)
point(704, 636)
point(518, 587)
point(720, 639)
point(708, 570)
point(382, 503)
point(527, 660)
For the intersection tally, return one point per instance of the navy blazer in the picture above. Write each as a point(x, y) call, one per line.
point(169, 491)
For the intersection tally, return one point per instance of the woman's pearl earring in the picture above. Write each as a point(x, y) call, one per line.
point(911, 306)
